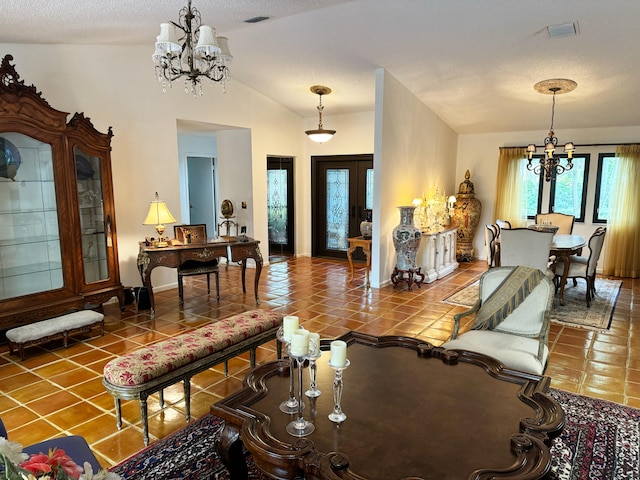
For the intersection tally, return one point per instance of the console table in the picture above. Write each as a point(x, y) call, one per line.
point(174, 256)
point(413, 411)
point(437, 254)
point(365, 245)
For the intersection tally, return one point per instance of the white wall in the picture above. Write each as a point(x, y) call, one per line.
point(415, 152)
point(479, 154)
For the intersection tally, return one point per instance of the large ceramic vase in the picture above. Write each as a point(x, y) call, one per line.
point(466, 216)
point(406, 240)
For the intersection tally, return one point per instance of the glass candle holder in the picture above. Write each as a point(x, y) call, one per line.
point(300, 427)
point(338, 415)
point(290, 405)
point(314, 354)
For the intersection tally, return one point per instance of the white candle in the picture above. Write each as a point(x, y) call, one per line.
point(314, 343)
point(290, 323)
point(338, 353)
point(300, 343)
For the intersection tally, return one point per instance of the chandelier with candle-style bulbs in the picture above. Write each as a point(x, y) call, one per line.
point(191, 50)
point(549, 162)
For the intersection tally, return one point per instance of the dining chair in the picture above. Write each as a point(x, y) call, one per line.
point(490, 235)
point(584, 267)
point(562, 220)
point(522, 246)
point(520, 341)
point(194, 234)
point(503, 223)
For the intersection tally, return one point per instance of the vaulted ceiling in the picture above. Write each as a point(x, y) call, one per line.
point(474, 63)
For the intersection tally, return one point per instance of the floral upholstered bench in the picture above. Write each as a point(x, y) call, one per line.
point(150, 369)
point(52, 328)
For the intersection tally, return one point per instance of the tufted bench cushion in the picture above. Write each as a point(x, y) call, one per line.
point(46, 330)
point(150, 369)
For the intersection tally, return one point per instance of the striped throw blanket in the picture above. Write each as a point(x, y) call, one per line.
point(507, 297)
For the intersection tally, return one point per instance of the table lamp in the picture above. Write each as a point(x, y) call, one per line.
point(158, 215)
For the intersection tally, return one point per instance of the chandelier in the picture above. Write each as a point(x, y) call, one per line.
point(197, 53)
point(320, 135)
point(550, 163)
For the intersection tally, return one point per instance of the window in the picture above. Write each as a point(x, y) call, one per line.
point(568, 191)
point(607, 172)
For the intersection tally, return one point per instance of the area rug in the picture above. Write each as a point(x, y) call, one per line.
point(574, 312)
point(600, 440)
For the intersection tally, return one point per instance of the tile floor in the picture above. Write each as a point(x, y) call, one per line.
point(57, 391)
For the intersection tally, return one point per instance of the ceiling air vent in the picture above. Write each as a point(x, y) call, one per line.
point(562, 30)
point(256, 19)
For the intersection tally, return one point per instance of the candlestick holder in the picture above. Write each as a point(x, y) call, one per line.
point(338, 415)
point(300, 427)
point(290, 405)
point(314, 354)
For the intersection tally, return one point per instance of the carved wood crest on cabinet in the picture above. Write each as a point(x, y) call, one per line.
point(58, 242)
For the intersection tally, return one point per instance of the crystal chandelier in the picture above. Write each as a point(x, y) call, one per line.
point(197, 53)
point(550, 163)
point(320, 134)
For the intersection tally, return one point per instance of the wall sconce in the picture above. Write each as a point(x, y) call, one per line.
point(159, 215)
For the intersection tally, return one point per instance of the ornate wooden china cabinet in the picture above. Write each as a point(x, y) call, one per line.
point(58, 250)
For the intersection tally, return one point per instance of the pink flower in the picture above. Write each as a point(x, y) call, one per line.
point(56, 459)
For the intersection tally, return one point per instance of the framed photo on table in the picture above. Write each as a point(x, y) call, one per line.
point(186, 234)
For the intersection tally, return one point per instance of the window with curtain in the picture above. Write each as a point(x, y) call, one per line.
point(622, 251)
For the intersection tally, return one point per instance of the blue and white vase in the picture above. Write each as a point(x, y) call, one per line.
point(406, 240)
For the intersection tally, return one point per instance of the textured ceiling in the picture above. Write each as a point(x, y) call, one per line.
point(474, 63)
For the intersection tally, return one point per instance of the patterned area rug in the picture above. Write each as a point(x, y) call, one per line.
point(600, 440)
point(574, 312)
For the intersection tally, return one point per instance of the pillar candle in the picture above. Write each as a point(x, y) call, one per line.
point(290, 324)
point(338, 353)
point(299, 343)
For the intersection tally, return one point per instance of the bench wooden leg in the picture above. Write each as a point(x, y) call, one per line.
point(145, 419)
point(118, 414)
point(226, 368)
point(187, 398)
point(252, 357)
point(161, 398)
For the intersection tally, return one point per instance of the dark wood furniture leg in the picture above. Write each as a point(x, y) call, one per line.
point(229, 448)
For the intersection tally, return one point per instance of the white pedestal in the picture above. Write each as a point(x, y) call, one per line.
point(437, 254)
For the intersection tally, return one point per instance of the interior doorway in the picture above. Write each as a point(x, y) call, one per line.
point(201, 177)
point(342, 191)
point(280, 208)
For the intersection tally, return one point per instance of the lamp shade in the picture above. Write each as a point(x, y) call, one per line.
point(320, 135)
point(158, 214)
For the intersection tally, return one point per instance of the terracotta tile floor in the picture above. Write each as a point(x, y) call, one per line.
point(58, 391)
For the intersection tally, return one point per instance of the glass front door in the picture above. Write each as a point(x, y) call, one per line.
point(343, 192)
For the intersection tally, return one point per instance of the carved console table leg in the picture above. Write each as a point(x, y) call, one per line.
point(229, 448)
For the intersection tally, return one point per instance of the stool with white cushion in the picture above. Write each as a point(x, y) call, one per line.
point(52, 328)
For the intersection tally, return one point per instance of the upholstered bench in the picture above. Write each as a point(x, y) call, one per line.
point(46, 330)
point(150, 369)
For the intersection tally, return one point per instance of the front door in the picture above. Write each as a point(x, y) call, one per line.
point(280, 206)
point(342, 189)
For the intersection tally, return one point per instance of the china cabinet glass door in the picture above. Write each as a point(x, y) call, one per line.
point(94, 229)
point(30, 253)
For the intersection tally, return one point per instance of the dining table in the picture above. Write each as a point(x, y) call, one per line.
point(563, 246)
